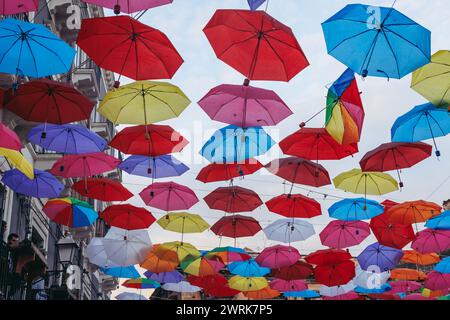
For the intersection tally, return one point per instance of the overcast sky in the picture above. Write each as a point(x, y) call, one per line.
point(384, 101)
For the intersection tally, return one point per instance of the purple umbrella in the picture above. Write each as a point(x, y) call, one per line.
point(165, 277)
point(255, 4)
point(44, 184)
point(377, 255)
point(429, 241)
point(153, 167)
point(244, 106)
point(67, 138)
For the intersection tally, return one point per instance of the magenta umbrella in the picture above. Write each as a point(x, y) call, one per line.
point(9, 139)
point(168, 196)
point(129, 6)
point(352, 295)
point(430, 240)
point(244, 106)
point(437, 281)
point(287, 286)
point(277, 257)
point(417, 296)
point(84, 165)
point(404, 286)
point(8, 7)
point(343, 234)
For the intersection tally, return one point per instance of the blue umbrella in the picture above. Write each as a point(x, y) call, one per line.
point(234, 144)
point(385, 287)
point(153, 167)
point(129, 272)
point(439, 222)
point(30, 49)
point(379, 257)
point(377, 41)
point(255, 4)
point(308, 294)
point(165, 277)
point(248, 268)
point(68, 138)
point(44, 184)
point(443, 266)
point(421, 123)
point(355, 209)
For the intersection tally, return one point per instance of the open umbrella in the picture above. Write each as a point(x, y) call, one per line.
point(164, 166)
point(102, 189)
point(437, 281)
point(391, 234)
point(229, 254)
point(245, 284)
point(154, 263)
point(248, 268)
point(429, 241)
point(183, 222)
point(130, 296)
point(236, 226)
point(44, 184)
point(168, 196)
point(30, 49)
point(244, 106)
point(18, 161)
point(407, 274)
point(355, 209)
point(294, 206)
point(208, 281)
point(8, 7)
point(262, 294)
point(233, 199)
point(127, 216)
point(278, 256)
point(299, 270)
point(129, 6)
point(126, 46)
point(201, 266)
point(343, 234)
point(413, 212)
point(370, 279)
point(335, 274)
point(439, 222)
point(425, 259)
point(141, 283)
point(221, 292)
point(288, 285)
point(128, 272)
point(349, 296)
point(289, 230)
point(84, 165)
point(9, 139)
point(165, 277)
point(181, 249)
point(95, 252)
point(255, 4)
point(404, 286)
point(71, 212)
point(377, 290)
point(255, 44)
point(228, 171)
point(305, 294)
point(338, 290)
point(328, 256)
point(378, 256)
point(443, 266)
point(377, 41)
point(181, 287)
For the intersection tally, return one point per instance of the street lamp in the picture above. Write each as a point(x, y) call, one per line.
point(66, 249)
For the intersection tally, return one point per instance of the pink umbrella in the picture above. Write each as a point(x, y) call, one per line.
point(277, 257)
point(168, 196)
point(9, 139)
point(343, 234)
point(417, 296)
point(346, 296)
point(287, 286)
point(437, 281)
point(244, 106)
point(129, 6)
point(84, 165)
point(430, 240)
point(404, 286)
point(8, 7)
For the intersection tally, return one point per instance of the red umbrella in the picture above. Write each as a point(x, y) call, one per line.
point(128, 47)
point(384, 296)
point(84, 165)
point(299, 270)
point(335, 274)
point(50, 101)
point(437, 281)
point(390, 234)
point(429, 241)
point(208, 282)
point(301, 171)
point(395, 156)
point(236, 226)
point(168, 196)
point(150, 140)
point(233, 199)
point(221, 292)
point(294, 206)
point(126, 216)
point(343, 234)
point(255, 44)
point(102, 189)
point(388, 204)
point(316, 144)
point(227, 171)
point(328, 257)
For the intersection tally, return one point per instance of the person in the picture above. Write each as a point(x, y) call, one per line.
point(3, 229)
point(13, 243)
point(446, 205)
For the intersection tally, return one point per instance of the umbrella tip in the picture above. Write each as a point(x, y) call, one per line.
point(116, 84)
point(438, 153)
point(401, 184)
point(246, 82)
point(117, 9)
point(302, 125)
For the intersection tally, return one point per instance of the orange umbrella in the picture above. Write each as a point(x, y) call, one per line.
point(155, 264)
point(412, 256)
point(407, 274)
point(266, 293)
point(413, 212)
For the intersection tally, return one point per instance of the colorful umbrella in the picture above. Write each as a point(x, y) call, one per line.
point(255, 44)
point(164, 166)
point(301, 171)
point(128, 6)
point(344, 110)
point(328, 257)
point(439, 222)
point(183, 222)
point(423, 122)
point(236, 226)
point(50, 101)
point(228, 254)
point(278, 256)
point(404, 286)
point(407, 274)
point(299, 270)
point(154, 263)
point(181, 287)
point(30, 49)
point(236, 144)
point(141, 283)
point(426, 259)
point(201, 266)
point(431, 80)
point(288, 285)
point(233, 199)
point(377, 41)
point(128, 217)
point(360, 182)
point(343, 234)
point(294, 206)
point(437, 281)
point(68, 139)
point(18, 161)
point(263, 294)
point(378, 256)
point(248, 268)
point(44, 185)
point(395, 156)
point(245, 284)
point(8, 7)
point(228, 171)
point(71, 212)
point(84, 165)
point(355, 209)
point(102, 189)
point(150, 140)
point(335, 274)
point(126, 46)
point(168, 196)
point(181, 249)
point(129, 272)
point(443, 266)
point(165, 277)
point(429, 241)
point(316, 144)
point(413, 212)
point(391, 234)
point(244, 106)
point(289, 230)
point(9, 139)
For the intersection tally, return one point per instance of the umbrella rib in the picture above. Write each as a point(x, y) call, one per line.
point(437, 123)
point(280, 41)
point(248, 22)
point(348, 38)
point(168, 105)
point(265, 108)
point(9, 49)
point(393, 53)
point(432, 76)
point(403, 38)
point(45, 47)
point(66, 97)
point(276, 53)
point(154, 53)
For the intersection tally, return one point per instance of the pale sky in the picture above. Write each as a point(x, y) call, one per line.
point(384, 101)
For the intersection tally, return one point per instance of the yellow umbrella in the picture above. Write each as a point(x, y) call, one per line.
point(18, 161)
point(433, 80)
point(359, 182)
point(143, 102)
point(245, 284)
point(182, 250)
point(183, 222)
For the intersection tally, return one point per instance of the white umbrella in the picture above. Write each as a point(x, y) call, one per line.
point(337, 290)
point(370, 279)
point(95, 251)
point(127, 247)
point(182, 286)
point(289, 230)
point(130, 296)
